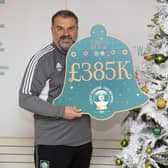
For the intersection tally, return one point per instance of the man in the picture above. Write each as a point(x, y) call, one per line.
point(62, 134)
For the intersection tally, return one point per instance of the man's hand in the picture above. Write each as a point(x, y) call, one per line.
point(72, 113)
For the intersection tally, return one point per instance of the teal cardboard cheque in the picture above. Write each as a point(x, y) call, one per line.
point(99, 77)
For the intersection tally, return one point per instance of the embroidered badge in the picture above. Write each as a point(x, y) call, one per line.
point(44, 164)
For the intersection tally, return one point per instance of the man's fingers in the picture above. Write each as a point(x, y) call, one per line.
point(72, 112)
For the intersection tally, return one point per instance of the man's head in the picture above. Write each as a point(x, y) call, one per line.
point(64, 29)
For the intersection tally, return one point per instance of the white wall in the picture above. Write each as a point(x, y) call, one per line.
point(27, 29)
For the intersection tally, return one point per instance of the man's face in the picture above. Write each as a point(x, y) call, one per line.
point(64, 32)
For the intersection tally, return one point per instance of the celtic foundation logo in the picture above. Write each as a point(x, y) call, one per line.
point(44, 164)
point(101, 97)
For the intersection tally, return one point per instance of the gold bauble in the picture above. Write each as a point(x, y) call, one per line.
point(161, 103)
point(149, 57)
point(145, 89)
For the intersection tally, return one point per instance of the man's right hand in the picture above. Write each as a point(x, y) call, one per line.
point(72, 113)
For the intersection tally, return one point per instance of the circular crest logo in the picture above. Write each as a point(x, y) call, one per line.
point(101, 97)
point(44, 164)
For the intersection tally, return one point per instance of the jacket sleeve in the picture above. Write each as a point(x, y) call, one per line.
point(33, 82)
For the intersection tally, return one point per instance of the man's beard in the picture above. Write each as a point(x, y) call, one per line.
point(65, 42)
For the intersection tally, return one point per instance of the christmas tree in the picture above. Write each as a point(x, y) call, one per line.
point(145, 144)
